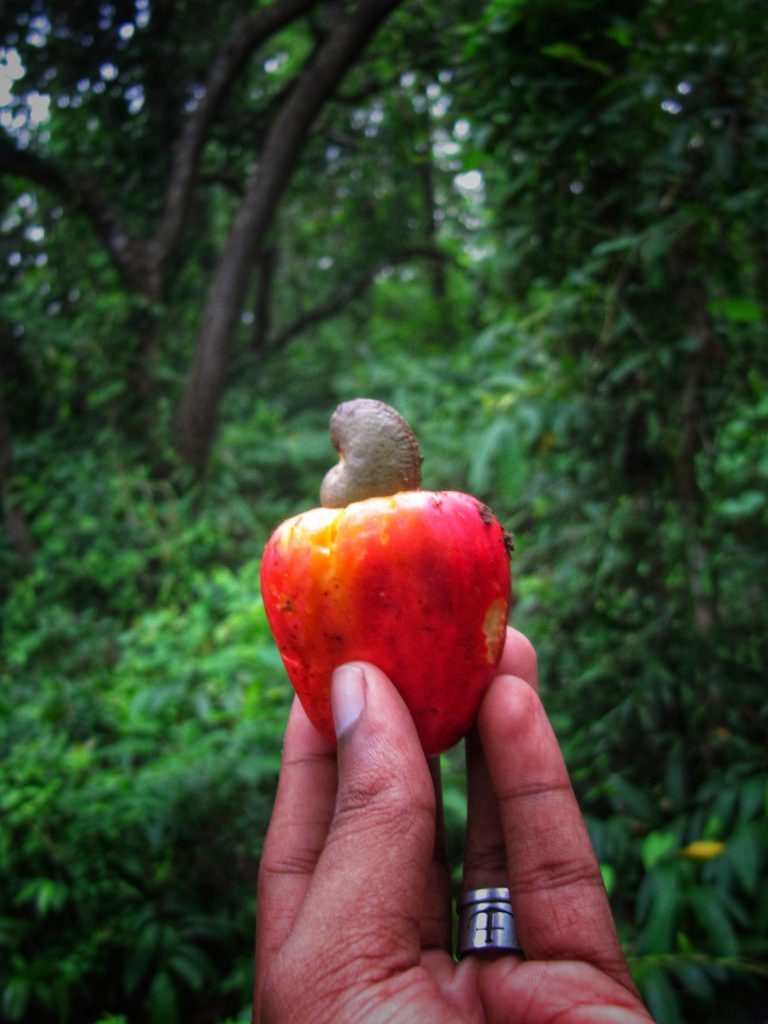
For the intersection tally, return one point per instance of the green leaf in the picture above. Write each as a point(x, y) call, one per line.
point(46, 893)
point(571, 52)
point(622, 244)
point(15, 998)
point(485, 452)
point(675, 777)
point(608, 871)
point(737, 310)
point(141, 956)
point(161, 1001)
point(656, 847)
point(621, 34)
point(660, 997)
point(747, 504)
point(753, 798)
point(745, 853)
point(694, 979)
point(716, 923)
point(661, 895)
point(192, 965)
point(631, 797)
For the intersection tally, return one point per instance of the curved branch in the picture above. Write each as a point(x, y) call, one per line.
point(17, 528)
point(246, 35)
point(127, 253)
point(142, 262)
point(198, 409)
point(350, 291)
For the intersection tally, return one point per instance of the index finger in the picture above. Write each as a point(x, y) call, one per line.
point(561, 907)
point(304, 804)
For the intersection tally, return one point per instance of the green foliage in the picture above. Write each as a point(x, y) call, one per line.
point(138, 772)
point(579, 337)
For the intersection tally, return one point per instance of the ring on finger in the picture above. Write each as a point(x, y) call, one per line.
point(486, 923)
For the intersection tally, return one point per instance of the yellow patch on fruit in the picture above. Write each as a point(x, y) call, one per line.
point(494, 627)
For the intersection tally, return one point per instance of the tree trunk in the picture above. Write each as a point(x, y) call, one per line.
point(426, 172)
point(144, 262)
point(692, 426)
point(262, 309)
point(198, 410)
point(18, 531)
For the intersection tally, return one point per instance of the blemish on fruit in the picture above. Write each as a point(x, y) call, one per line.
point(485, 514)
point(493, 626)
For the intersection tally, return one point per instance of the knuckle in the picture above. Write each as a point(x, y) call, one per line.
point(377, 789)
point(288, 851)
point(307, 762)
point(371, 808)
point(513, 793)
point(391, 810)
point(297, 862)
point(558, 873)
point(486, 858)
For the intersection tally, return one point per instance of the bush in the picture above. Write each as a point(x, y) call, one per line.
point(137, 779)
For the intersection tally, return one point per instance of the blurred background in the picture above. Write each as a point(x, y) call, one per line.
point(538, 229)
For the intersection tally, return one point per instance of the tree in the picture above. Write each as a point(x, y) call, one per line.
point(537, 229)
point(145, 244)
point(280, 151)
point(16, 524)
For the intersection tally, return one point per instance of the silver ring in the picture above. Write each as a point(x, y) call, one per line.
point(486, 923)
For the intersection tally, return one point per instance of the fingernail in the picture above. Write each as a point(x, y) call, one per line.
point(347, 696)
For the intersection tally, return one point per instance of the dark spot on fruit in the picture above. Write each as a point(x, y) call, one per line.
point(485, 513)
point(509, 542)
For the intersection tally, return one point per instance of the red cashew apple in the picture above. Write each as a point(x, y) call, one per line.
point(416, 582)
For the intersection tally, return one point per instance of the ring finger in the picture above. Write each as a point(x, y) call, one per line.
point(485, 858)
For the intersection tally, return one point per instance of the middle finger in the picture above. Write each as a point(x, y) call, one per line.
point(485, 858)
point(436, 908)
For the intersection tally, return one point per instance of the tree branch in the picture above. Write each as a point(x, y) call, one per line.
point(17, 528)
point(246, 35)
point(142, 262)
point(350, 291)
point(282, 146)
point(127, 253)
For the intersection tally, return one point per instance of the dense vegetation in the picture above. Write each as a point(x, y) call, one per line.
point(537, 229)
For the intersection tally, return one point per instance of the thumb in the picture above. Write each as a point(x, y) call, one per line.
point(370, 878)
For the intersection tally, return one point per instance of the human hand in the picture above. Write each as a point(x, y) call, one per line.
point(354, 912)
